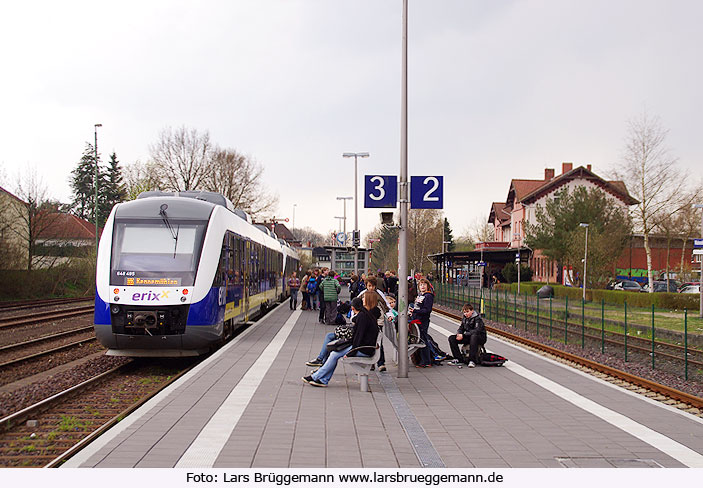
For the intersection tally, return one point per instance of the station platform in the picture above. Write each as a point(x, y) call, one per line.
point(247, 407)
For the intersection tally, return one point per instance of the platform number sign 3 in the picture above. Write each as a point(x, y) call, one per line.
point(380, 191)
point(427, 192)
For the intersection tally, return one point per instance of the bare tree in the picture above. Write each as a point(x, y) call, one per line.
point(652, 176)
point(182, 158)
point(308, 235)
point(687, 224)
point(33, 214)
point(239, 178)
point(425, 237)
point(139, 177)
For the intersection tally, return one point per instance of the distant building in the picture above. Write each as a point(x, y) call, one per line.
point(62, 237)
point(526, 196)
point(14, 250)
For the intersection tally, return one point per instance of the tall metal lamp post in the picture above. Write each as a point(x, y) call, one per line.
point(701, 276)
point(344, 199)
point(96, 188)
point(356, 205)
point(585, 258)
point(294, 205)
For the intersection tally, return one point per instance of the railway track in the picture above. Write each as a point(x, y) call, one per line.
point(36, 318)
point(660, 392)
point(26, 304)
point(48, 352)
point(45, 339)
point(50, 431)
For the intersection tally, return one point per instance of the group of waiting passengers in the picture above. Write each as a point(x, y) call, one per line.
point(370, 308)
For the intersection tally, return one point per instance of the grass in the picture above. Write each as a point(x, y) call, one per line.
point(70, 423)
point(665, 319)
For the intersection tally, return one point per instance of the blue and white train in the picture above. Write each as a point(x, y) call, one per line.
point(178, 273)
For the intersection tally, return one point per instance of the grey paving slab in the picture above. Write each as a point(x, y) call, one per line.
point(482, 417)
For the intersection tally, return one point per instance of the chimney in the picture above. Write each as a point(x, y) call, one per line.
point(588, 167)
point(548, 174)
point(566, 167)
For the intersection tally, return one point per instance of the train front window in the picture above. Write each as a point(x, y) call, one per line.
point(146, 253)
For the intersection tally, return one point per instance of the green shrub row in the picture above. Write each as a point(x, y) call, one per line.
point(670, 301)
point(75, 280)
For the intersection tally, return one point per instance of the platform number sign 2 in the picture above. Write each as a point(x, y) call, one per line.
point(426, 192)
point(380, 191)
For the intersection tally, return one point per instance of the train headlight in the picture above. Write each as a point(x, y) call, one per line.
point(115, 309)
point(183, 299)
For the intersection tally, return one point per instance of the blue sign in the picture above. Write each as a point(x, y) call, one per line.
point(482, 263)
point(697, 242)
point(426, 191)
point(380, 191)
point(341, 238)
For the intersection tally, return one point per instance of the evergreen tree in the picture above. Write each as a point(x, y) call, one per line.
point(83, 184)
point(558, 235)
point(448, 237)
point(113, 189)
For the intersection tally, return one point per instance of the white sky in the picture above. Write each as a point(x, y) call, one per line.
point(497, 89)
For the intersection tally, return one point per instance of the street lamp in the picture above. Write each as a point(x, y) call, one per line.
point(294, 205)
point(96, 188)
point(585, 258)
point(701, 276)
point(341, 219)
point(344, 199)
point(356, 205)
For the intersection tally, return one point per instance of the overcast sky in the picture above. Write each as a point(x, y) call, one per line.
point(497, 89)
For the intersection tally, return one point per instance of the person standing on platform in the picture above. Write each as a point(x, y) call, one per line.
point(329, 289)
point(312, 288)
point(304, 290)
point(355, 286)
point(320, 294)
point(294, 285)
point(472, 331)
point(421, 311)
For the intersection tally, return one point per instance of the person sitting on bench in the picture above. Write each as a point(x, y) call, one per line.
point(472, 331)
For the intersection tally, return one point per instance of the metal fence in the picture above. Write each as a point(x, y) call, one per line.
point(666, 340)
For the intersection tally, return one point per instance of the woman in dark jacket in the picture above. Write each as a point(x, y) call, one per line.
point(421, 311)
point(365, 334)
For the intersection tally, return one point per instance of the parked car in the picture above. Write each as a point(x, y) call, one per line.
point(689, 283)
point(660, 286)
point(694, 288)
point(627, 285)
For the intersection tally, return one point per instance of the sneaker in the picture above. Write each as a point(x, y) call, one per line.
point(472, 364)
point(314, 362)
point(439, 358)
point(316, 383)
point(381, 369)
point(454, 362)
point(308, 379)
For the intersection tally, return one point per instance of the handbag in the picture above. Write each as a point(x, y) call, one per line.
point(338, 345)
point(344, 332)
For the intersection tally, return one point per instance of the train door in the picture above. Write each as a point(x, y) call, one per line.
point(246, 271)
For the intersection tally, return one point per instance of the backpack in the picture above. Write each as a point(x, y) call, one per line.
point(490, 359)
point(312, 285)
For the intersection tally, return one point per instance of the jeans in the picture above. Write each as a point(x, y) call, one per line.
point(324, 374)
point(474, 342)
point(293, 298)
point(427, 352)
point(330, 312)
point(324, 353)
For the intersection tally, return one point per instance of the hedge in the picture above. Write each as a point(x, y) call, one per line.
point(671, 301)
point(62, 281)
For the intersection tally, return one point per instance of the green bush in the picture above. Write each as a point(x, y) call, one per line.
point(671, 301)
point(68, 280)
point(510, 273)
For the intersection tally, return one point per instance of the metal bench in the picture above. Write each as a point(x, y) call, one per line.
point(414, 342)
point(361, 365)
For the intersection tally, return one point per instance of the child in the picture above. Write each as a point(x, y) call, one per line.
point(472, 331)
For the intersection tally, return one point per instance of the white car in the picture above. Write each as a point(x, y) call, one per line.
point(691, 289)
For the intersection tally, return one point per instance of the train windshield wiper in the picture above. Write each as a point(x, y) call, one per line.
point(174, 233)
